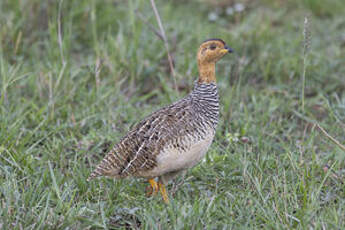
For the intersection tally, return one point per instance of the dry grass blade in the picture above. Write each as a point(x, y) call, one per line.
point(306, 48)
point(150, 26)
point(335, 141)
point(165, 41)
point(60, 33)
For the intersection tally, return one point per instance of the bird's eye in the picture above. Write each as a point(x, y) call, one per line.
point(213, 47)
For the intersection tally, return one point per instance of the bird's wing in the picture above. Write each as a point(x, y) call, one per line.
point(137, 150)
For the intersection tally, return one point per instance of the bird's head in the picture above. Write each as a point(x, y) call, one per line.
point(211, 50)
point(209, 53)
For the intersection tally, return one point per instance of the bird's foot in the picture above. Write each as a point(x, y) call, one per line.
point(152, 189)
point(163, 192)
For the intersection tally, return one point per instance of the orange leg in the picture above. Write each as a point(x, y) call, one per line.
point(154, 187)
point(163, 192)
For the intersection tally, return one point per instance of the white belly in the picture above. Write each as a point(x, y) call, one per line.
point(172, 159)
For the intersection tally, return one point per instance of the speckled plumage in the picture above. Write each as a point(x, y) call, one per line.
point(176, 127)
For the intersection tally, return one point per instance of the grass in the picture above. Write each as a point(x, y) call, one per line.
point(75, 75)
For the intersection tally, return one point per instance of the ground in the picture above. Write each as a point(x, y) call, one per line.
point(76, 75)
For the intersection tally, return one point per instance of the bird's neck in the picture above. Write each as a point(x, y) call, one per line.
point(207, 72)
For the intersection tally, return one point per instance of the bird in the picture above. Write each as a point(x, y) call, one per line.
point(174, 138)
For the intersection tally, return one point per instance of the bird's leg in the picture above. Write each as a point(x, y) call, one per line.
point(163, 192)
point(154, 187)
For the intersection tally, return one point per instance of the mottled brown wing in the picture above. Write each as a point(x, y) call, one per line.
point(137, 150)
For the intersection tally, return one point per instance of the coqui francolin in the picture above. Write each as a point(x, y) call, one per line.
point(175, 137)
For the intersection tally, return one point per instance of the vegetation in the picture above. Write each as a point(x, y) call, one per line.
point(75, 75)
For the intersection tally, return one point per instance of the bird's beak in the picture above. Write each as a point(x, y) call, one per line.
point(228, 49)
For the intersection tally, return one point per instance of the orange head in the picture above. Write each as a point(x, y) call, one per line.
point(210, 51)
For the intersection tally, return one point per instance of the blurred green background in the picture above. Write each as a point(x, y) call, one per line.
point(76, 75)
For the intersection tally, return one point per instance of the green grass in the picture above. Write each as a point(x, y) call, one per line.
point(64, 102)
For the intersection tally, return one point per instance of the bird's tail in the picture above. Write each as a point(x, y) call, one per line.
point(95, 173)
point(107, 167)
